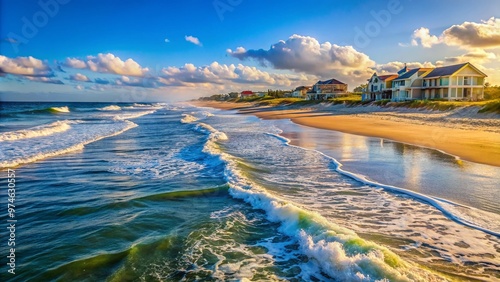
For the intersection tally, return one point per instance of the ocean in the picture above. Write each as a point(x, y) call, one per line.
point(161, 192)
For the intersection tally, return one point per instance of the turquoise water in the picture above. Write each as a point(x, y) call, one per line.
point(163, 192)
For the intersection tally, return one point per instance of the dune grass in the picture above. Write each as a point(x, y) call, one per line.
point(353, 100)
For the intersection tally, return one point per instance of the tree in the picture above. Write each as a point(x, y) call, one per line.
point(360, 88)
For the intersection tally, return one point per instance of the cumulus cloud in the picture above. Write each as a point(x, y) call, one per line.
point(308, 55)
point(468, 35)
point(108, 63)
point(79, 77)
point(477, 56)
point(221, 74)
point(193, 40)
point(25, 66)
point(394, 67)
point(485, 34)
point(425, 38)
point(167, 40)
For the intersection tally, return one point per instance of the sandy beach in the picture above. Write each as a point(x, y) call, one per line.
point(461, 132)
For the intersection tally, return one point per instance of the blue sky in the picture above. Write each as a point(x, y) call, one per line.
point(322, 39)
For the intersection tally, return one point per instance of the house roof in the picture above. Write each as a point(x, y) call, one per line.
point(407, 74)
point(448, 70)
point(302, 88)
point(387, 77)
point(247, 93)
point(331, 81)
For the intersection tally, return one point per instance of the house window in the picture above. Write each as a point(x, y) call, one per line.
point(466, 80)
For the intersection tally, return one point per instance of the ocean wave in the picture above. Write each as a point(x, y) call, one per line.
point(12, 156)
point(111, 108)
point(37, 131)
point(214, 134)
point(338, 251)
point(445, 206)
point(188, 118)
point(64, 109)
point(132, 115)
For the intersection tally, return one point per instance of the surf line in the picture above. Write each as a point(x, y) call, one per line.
point(361, 178)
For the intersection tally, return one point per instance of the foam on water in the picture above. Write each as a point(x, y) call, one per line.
point(111, 108)
point(24, 151)
point(338, 251)
point(64, 109)
point(38, 131)
point(127, 115)
point(188, 118)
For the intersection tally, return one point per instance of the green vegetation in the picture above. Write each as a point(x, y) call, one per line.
point(491, 107)
point(491, 92)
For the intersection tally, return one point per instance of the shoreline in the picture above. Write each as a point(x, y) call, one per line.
point(453, 136)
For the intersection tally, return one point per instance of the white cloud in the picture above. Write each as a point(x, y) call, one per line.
point(394, 67)
point(108, 63)
point(426, 39)
point(24, 66)
point(468, 35)
point(79, 77)
point(193, 40)
point(485, 34)
point(304, 54)
point(222, 74)
point(476, 56)
point(167, 40)
point(75, 63)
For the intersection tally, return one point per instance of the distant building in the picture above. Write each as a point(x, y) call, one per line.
point(301, 91)
point(323, 90)
point(246, 94)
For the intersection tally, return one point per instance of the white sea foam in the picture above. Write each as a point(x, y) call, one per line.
point(214, 134)
point(38, 131)
point(64, 109)
point(131, 115)
point(188, 118)
point(26, 151)
point(338, 251)
point(111, 108)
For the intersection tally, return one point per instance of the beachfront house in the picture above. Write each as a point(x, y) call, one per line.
point(407, 86)
point(457, 82)
point(379, 87)
point(301, 92)
point(323, 90)
point(247, 94)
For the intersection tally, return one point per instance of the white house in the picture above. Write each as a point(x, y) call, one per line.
point(379, 87)
point(407, 86)
point(463, 81)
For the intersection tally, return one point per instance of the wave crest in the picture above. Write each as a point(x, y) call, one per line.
point(37, 131)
